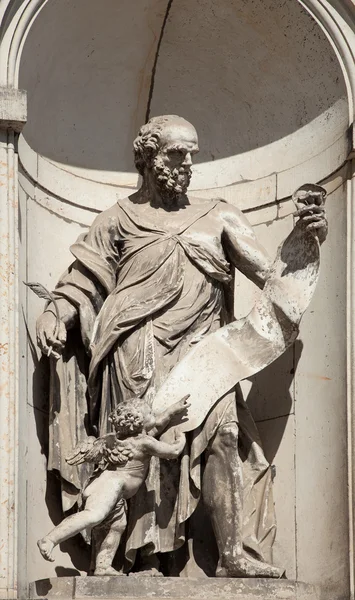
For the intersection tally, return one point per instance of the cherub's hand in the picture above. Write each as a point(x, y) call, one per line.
point(180, 407)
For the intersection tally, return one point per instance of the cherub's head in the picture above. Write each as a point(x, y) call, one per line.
point(131, 418)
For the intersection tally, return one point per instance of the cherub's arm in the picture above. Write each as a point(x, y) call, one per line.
point(162, 449)
point(163, 419)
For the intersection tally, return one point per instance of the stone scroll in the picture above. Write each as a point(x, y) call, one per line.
point(248, 345)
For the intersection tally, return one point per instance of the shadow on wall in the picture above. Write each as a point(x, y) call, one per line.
point(78, 550)
point(246, 73)
point(271, 394)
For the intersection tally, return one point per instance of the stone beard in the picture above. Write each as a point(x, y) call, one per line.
point(171, 183)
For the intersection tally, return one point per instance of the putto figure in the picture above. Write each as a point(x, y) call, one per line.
point(151, 278)
point(122, 460)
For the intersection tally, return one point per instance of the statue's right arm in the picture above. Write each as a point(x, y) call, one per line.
point(102, 237)
point(46, 327)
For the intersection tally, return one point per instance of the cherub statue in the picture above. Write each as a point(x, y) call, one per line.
point(122, 462)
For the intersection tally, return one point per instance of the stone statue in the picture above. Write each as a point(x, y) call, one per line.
point(151, 279)
point(122, 460)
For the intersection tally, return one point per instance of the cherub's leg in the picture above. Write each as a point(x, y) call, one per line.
point(102, 496)
point(110, 544)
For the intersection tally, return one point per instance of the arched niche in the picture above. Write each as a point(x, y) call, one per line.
point(266, 91)
point(260, 83)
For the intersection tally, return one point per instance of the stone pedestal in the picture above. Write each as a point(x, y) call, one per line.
point(132, 588)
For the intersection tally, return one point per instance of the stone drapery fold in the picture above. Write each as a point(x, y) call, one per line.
point(144, 297)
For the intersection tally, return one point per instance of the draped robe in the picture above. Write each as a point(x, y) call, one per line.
point(144, 296)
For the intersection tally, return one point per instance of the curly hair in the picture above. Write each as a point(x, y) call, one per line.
point(146, 144)
point(128, 418)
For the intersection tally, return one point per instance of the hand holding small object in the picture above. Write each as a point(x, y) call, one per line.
point(51, 331)
point(309, 200)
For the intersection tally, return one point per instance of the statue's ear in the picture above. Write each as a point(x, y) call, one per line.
point(149, 156)
point(151, 149)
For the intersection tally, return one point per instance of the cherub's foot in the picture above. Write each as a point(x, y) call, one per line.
point(250, 567)
point(107, 572)
point(46, 546)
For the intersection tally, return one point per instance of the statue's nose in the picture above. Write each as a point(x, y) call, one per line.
point(187, 160)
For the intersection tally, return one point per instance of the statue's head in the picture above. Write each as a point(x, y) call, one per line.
point(131, 417)
point(165, 147)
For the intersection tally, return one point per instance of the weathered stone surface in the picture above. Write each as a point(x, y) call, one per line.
point(314, 169)
point(13, 108)
point(132, 588)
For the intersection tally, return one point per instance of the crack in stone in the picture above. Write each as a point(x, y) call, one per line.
point(152, 80)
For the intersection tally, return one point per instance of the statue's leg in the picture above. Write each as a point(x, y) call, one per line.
point(223, 496)
point(222, 491)
point(109, 546)
point(99, 502)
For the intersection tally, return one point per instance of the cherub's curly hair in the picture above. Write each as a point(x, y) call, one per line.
point(128, 418)
point(146, 144)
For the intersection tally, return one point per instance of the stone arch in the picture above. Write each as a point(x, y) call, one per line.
point(335, 18)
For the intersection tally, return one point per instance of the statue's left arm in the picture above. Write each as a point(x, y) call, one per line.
point(245, 252)
point(242, 247)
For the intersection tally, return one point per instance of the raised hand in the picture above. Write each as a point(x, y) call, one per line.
point(180, 407)
point(309, 200)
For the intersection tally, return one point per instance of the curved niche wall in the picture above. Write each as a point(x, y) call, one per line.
point(263, 87)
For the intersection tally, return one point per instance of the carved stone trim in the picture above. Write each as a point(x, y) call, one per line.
point(337, 19)
point(9, 364)
point(13, 109)
point(17, 18)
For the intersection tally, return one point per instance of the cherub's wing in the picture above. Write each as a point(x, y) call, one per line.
point(91, 450)
point(77, 456)
point(121, 452)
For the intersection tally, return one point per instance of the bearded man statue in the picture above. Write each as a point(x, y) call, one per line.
point(151, 278)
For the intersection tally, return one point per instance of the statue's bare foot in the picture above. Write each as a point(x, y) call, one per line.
point(147, 571)
point(45, 547)
point(107, 572)
point(250, 567)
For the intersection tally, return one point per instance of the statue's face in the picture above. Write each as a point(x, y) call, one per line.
point(172, 164)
